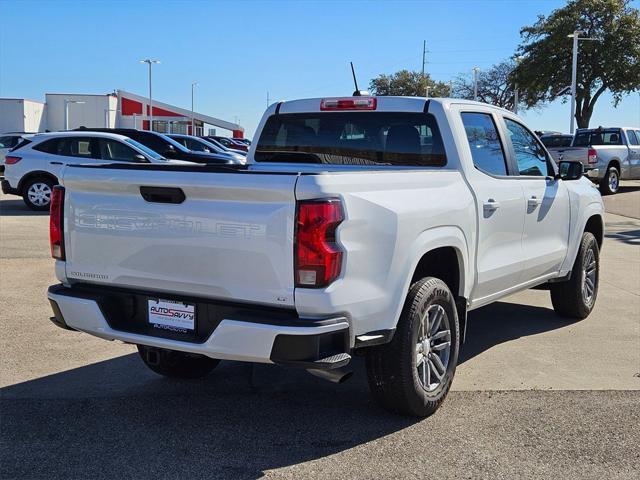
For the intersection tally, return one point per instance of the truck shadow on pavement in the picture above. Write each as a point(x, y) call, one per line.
point(17, 208)
point(116, 416)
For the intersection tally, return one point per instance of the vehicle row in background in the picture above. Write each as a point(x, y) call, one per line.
point(35, 161)
point(609, 154)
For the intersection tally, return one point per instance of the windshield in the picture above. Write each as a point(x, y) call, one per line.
point(598, 137)
point(352, 138)
point(146, 150)
point(176, 145)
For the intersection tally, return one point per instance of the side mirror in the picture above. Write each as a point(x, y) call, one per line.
point(570, 170)
point(140, 158)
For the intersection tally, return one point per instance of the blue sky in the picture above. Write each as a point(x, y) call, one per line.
point(239, 50)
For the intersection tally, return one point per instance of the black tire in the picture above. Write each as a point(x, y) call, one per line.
point(392, 369)
point(170, 363)
point(568, 298)
point(610, 183)
point(42, 184)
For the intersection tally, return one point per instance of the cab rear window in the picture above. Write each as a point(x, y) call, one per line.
point(352, 138)
point(598, 137)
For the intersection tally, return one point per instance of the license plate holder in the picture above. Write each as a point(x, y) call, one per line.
point(171, 315)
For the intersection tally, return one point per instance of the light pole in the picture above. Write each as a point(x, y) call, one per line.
point(475, 83)
point(150, 62)
point(574, 74)
point(193, 121)
point(66, 111)
point(428, 88)
point(450, 88)
point(518, 59)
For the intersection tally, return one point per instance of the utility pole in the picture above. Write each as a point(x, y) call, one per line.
point(424, 61)
point(193, 115)
point(574, 74)
point(150, 62)
point(516, 98)
point(475, 83)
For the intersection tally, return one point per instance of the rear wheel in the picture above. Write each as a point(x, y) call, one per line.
point(412, 374)
point(37, 192)
point(610, 184)
point(170, 363)
point(576, 297)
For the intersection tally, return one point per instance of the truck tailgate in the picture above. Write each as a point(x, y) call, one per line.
point(231, 237)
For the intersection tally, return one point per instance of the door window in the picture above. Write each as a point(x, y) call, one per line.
point(484, 142)
point(633, 139)
point(114, 150)
point(530, 155)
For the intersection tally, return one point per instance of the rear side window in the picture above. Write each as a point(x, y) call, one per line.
point(598, 137)
point(81, 147)
point(484, 142)
point(352, 138)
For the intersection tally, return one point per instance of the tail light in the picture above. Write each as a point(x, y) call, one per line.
point(56, 232)
point(352, 103)
point(592, 156)
point(318, 259)
point(11, 159)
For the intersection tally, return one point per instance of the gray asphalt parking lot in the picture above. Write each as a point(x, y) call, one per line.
point(534, 396)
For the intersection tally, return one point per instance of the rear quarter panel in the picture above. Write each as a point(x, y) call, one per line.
point(392, 220)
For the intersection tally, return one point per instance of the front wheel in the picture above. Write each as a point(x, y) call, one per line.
point(412, 374)
point(576, 297)
point(610, 184)
point(170, 363)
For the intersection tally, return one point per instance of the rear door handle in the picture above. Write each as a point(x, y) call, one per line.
point(534, 201)
point(162, 194)
point(55, 163)
point(491, 205)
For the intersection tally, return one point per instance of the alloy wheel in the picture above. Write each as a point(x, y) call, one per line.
point(433, 348)
point(39, 194)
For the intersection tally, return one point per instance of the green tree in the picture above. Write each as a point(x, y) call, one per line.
point(612, 63)
point(407, 83)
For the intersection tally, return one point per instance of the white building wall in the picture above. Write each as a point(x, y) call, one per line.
point(96, 111)
point(11, 115)
point(34, 116)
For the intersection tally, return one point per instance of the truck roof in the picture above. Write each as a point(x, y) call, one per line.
point(384, 103)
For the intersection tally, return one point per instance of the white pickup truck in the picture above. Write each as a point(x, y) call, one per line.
point(360, 225)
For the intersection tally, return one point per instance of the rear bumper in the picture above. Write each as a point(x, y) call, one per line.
point(593, 174)
point(7, 188)
point(238, 333)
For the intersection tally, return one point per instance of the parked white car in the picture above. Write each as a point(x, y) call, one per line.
point(9, 141)
point(361, 225)
point(32, 170)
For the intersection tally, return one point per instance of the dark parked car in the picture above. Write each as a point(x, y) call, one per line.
point(166, 146)
point(556, 140)
point(197, 144)
point(230, 143)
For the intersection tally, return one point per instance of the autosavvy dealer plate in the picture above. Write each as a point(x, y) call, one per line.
point(174, 316)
